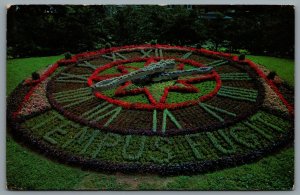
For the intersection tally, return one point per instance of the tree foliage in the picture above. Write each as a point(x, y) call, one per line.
point(54, 29)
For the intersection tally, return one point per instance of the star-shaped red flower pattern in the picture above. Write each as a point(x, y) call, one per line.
point(180, 85)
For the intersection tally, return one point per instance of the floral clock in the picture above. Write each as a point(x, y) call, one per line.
point(228, 115)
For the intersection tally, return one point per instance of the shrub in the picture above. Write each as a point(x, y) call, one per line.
point(243, 51)
point(198, 46)
point(153, 42)
point(68, 55)
point(107, 45)
point(35, 76)
point(242, 57)
point(272, 75)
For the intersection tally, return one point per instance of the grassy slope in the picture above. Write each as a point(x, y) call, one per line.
point(19, 69)
point(29, 170)
point(283, 67)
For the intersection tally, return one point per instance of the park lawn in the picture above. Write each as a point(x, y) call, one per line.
point(283, 67)
point(19, 69)
point(27, 169)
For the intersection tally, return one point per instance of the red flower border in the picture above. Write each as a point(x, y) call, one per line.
point(35, 83)
point(269, 82)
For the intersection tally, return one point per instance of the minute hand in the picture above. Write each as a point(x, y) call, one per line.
point(174, 74)
point(149, 70)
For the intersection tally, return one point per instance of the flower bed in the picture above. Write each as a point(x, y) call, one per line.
point(196, 123)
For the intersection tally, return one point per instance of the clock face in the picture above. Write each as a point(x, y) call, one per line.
point(177, 124)
point(196, 103)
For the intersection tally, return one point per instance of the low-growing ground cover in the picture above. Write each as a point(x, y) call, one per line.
point(211, 137)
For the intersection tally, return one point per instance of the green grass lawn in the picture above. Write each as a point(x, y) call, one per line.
point(283, 67)
point(28, 170)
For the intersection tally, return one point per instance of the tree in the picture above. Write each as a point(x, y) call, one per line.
point(54, 29)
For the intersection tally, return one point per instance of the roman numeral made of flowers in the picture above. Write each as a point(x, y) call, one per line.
point(73, 97)
point(238, 93)
point(100, 112)
point(217, 63)
point(166, 114)
point(114, 56)
point(237, 76)
point(86, 64)
point(187, 55)
point(157, 53)
point(213, 111)
point(72, 78)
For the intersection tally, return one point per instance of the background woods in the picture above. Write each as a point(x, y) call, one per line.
point(54, 29)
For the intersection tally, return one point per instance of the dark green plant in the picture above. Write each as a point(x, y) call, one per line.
point(272, 75)
point(153, 42)
point(198, 46)
point(35, 76)
point(242, 57)
point(68, 55)
point(107, 45)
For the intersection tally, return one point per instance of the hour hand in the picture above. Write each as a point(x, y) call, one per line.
point(154, 68)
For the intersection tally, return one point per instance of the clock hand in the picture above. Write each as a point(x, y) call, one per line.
point(161, 66)
point(162, 76)
point(174, 74)
point(155, 72)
